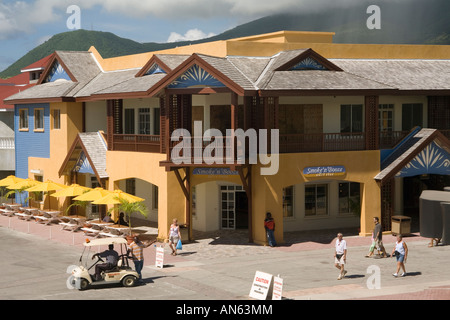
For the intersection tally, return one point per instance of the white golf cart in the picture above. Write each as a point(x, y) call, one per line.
point(81, 279)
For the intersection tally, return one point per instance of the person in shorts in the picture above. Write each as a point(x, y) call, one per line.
point(400, 252)
point(340, 255)
point(174, 236)
point(377, 240)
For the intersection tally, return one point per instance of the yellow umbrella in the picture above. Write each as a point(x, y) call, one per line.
point(115, 197)
point(9, 180)
point(24, 183)
point(92, 195)
point(71, 191)
point(46, 187)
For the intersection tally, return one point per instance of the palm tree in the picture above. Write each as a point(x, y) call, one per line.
point(128, 208)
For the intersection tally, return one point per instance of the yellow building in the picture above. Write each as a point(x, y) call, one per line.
point(340, 121)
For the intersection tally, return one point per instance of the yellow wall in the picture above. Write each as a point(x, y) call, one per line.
point(145, 166)
point(60, 142)
point(272, 43)
point(268, 190)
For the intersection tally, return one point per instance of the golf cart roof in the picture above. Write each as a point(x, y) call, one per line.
point(104, 241)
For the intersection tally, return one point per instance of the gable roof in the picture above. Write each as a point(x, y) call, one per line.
point(93, 146)
point(217, 68)
point(410, 148)
point(167, 62)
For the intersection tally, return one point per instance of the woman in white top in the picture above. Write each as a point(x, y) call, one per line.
point(400, 251)
point(174, 236)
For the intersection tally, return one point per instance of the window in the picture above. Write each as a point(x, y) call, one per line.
point(156, 119)
point(386, 117)
point(37, 195)
point(144, 120)
point(56, 119)
point(130, 186)
point(38, 119)
point(95, 208)
point(349, 197)
point(351, 118)
point(23, 119)
point(288, 202)
point(412, 116)
point(129, 121)
point(316, 200)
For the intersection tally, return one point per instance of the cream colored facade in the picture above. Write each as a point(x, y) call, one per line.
point(267, 191)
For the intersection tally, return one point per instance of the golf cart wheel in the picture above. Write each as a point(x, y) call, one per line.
point(84, 284)
point(129, 281)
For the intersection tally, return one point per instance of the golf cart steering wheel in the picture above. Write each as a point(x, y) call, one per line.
point(99, 259)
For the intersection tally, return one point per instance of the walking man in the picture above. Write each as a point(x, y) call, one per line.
point(377, 239)
point(340, 255)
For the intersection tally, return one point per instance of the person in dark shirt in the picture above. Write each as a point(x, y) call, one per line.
point(269, 225)
point(377, 239)
point(112, 257)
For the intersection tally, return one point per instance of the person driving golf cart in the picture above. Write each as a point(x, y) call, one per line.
point(112, 257)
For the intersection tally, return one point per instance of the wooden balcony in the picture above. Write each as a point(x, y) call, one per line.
point(136, 143)
point(322, 142)
point(289, 143)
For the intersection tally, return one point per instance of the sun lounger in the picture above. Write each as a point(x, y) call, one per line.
point(24, 215)
point(7, 212)
point(91, 232)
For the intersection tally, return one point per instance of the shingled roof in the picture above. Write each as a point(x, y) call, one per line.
point(268, 75)
point(94, 147)
point(409, 148)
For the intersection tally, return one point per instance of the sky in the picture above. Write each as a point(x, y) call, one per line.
point(26, 24)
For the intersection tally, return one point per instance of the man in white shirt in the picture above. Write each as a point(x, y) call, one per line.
point(340, 255)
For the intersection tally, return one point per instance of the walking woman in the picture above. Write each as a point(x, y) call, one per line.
point(400, 251)
point(174, 236)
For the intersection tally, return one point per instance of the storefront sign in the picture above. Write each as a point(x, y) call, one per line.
point(214, 171)
point(159, 261)
point(261, 285)
point(277, 288)
point(325, 171)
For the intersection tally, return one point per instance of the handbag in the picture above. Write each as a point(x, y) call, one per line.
point(179, 245)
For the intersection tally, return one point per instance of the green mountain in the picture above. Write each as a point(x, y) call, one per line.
point(402, 22)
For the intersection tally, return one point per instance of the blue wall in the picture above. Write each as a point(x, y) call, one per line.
point(30, 143)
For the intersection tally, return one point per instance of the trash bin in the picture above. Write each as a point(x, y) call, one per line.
point(400, 225)
point(446, 223)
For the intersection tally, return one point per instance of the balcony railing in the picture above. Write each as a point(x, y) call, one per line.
point(136, 142)
point(288, 143)
point(319, 142)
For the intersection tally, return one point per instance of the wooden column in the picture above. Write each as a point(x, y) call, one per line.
point(246, 179)
point(371, 123)
point(110, 124)
point(186, 188)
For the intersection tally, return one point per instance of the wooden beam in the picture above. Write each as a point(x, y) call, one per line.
point(181, 182)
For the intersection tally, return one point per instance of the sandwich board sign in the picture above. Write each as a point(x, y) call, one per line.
point(159, 261)
point(262, 285)
point(277, 288)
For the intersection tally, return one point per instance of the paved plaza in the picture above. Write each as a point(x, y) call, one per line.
point(222, 265)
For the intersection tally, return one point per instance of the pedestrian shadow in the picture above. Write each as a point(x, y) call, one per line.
point(354, 276)
point(186, 253)
point(149, 280)
point(413, 274)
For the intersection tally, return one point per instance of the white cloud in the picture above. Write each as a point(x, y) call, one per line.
point(190, 35)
